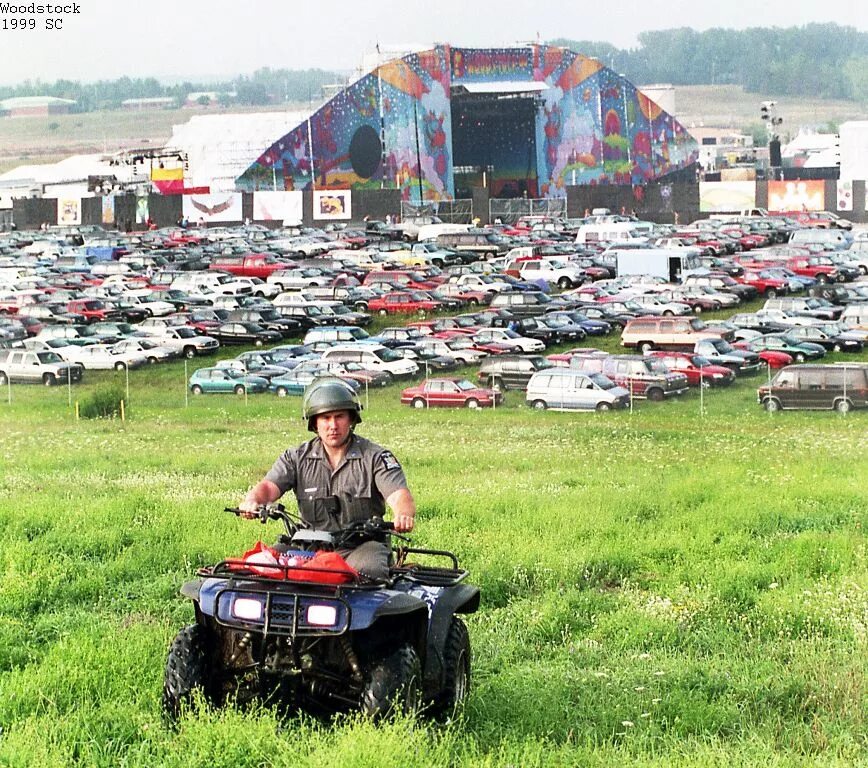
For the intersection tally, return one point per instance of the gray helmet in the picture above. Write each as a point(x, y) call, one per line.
point(326, 395)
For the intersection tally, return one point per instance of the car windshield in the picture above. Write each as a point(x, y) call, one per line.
point(387, 355)
point(464, 385)
point(49, 357)
point(603, 382)
point(458, 344)
point(656, 366)
point(697, 325)
point(700, 362)
point(186, 333)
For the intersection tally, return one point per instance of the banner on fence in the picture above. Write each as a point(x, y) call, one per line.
point(108, 210)
point(332, 204)
point(796, 196)
point(726, 196)
point(68, 211)
point(285, 207)
point(213, 208)
point(845, 195)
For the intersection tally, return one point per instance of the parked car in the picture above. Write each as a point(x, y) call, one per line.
point(39, 367)
point(839, 342)
point(245, 333)
point(742, 360)
point(450, 392)
point(207, 380)
point(509, 338)
point(841, 386)
point(510, 371)
point(697, 369)
point(800, 351)
point(641, 376)
point(566, 389)
point(104, 358)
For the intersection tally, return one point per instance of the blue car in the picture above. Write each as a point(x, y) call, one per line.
point(295, 382)
point(225, 380)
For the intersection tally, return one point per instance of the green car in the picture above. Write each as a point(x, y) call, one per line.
point(225, 380)
point(799, 350)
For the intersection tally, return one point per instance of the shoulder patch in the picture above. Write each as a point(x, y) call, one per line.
point(389, 460)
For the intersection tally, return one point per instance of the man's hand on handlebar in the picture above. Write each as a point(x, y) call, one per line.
point(403, 522)
point(249, 509)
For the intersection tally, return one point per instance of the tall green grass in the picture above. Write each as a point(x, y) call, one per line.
point(667, 587)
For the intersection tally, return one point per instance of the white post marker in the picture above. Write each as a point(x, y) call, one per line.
point(701, 392)
point(69, 387)
point(186, 388)
point(127, 372)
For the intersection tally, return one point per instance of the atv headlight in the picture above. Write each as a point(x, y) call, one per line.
point(247, 608)
point(322, 615)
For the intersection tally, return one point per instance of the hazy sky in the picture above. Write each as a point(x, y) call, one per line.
point(196, 39)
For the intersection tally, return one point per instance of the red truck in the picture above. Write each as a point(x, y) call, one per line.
point(401, 303)
point(252, 265)
point(93, 310)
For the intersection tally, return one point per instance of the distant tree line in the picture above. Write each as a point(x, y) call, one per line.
point(264, 86)
point(825, 60)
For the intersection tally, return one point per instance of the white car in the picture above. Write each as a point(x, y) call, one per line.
point(102, 357)
point(662, 307)
point(459, 349)
point(185, 340)
point(509, 338)
point(141, 299)
point(481, 283)
point(153, 351)
point(553, 271)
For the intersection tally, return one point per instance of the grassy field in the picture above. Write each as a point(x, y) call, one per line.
point(670, 586)
point(730, 106)
point(47, 139)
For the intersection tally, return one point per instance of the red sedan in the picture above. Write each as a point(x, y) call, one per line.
point(401, 303)
point(771, 357)
point(697, 369)
point(451, 393)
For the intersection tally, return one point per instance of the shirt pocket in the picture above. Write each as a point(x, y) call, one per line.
point(315, 512)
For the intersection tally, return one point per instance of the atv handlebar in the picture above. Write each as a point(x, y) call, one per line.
point(374, 528)
point(267, 512)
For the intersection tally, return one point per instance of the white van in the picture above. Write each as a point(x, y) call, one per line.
point(431, 231)
point(335, 334)
point(375, 357)
point(565, 389)
point(855, 317)
point(828, 238)
point(615, 232)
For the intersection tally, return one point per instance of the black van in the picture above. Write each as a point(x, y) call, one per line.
point(839, 386)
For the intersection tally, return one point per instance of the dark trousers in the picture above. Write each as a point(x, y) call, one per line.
point(370, 559)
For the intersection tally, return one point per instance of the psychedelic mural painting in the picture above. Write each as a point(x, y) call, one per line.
point(569, 128)
point(418, 124)
point(640, 113)
point(613, 117)
point(523, 121)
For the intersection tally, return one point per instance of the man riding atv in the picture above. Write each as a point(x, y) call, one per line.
point(338, 477)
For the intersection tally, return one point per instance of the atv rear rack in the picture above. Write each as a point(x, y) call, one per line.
point(429, 575)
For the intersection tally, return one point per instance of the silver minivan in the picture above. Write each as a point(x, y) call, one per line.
point(563, 389)
point(336, 334)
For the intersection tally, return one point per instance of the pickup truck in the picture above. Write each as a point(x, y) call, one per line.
point(36, 366)
point(254, 265)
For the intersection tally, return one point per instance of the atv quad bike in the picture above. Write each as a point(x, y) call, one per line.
point(288, 634)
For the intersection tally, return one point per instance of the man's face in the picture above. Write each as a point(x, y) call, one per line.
point(334, 428)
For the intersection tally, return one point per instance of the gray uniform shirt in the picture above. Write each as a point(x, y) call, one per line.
point(367, 476)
